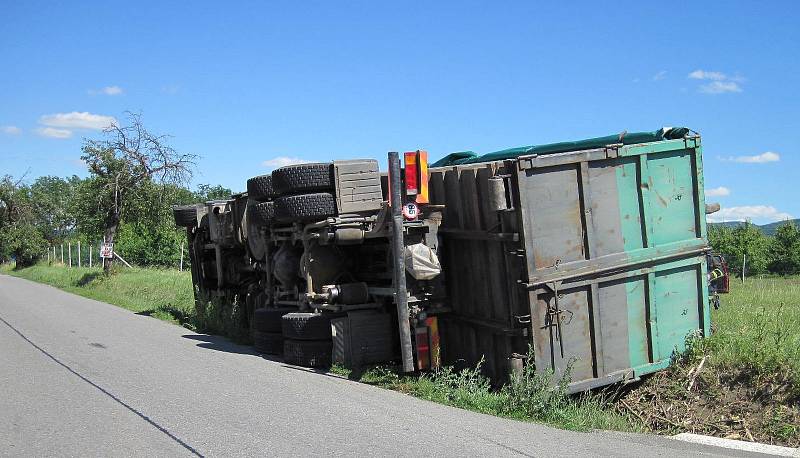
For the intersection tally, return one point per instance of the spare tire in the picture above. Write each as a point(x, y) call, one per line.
point(261, 213)
point(256, 244)
point(269, 319)
point(185, 215)
point(302, 178)
point(307, 326)
point(268, 342)
point(308, 353)
point(260, 188)
point(305, 207)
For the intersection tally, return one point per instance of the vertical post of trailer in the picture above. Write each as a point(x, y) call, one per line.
point(398, 248)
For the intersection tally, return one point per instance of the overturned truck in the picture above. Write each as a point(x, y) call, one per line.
point(588, 256)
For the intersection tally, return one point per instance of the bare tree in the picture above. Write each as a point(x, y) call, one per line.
point(127, 157)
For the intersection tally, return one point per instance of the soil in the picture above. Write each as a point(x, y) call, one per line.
point(733, 403)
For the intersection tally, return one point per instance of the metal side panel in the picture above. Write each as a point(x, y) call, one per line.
point(632, 322)
point(358, 185)
point(584, 216)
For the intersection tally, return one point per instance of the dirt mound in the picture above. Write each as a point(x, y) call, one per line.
point(733, 403)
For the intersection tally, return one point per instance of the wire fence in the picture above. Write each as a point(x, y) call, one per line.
point(76, 254)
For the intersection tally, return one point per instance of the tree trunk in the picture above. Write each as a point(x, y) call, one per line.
point(112, 223)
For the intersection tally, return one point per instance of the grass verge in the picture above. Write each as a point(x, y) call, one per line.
point(741, 383)
point(163, 294)
point(529, 397)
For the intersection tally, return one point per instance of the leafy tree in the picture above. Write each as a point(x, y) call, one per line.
point(20, 238)
point(51, 199)
point(785, 250)
point(207, 192)
point(740, 241)
point(128, 158)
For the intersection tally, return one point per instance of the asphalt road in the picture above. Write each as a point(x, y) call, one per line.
point(84, 378)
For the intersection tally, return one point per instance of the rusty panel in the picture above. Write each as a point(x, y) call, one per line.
point(606, 208)
point(483, 280)
point(552, 216)
point(557, 345)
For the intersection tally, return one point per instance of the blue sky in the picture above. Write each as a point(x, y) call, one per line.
point(248, 85)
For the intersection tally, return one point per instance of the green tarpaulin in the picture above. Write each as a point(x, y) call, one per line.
point(468, 157)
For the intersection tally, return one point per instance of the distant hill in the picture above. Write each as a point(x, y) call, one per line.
point(767, 229)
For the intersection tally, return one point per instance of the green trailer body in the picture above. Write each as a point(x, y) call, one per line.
point(595, 258)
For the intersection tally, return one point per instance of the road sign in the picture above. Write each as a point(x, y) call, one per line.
point(410, 211)
point(107, 250)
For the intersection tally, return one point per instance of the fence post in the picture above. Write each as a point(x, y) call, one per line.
point(181, 266)
point(744, 265)
point(62, 254)
point(48, 255)
point(79, 253)
point(90, 255)
point(69, 253)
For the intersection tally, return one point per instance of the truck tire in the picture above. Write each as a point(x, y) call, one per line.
point(268, 342)
point(307, 326)
point(260, 188)
point(303, 178)
point(185, 215)
point(305, 207)
point(307, 353)
point(269, 319)
point(262, 213)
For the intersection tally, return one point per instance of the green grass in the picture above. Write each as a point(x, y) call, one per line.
point(529, 397)
point(758, 329)
point(163, 294)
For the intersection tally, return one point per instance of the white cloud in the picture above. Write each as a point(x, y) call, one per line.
point(77, 120)
point(718, 192)
point(755, 213)
point(108, 90)
point(762, 158)
point(719, 83)
point(282, 161)
point(704, 75)
point(52, 132)
point(660, 75)
point(720, 87)
point(10, 130)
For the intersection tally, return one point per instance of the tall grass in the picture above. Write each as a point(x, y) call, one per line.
point(758, 329)
point(530, 396)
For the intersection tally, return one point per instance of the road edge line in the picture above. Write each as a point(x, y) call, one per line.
point(757, 447)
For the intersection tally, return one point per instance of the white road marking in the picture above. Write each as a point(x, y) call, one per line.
point(755, 447)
